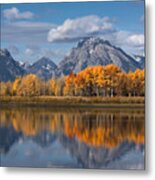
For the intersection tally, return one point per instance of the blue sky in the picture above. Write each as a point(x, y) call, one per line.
point(31, 31)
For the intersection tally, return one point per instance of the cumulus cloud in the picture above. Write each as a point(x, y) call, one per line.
point(15, 14)
point(129, 41)
point(74, 29)
point(126, 38)
point(136, 40)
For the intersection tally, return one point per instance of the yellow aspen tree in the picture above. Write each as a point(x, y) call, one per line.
point(69, 88)
point(17, 86)
point(30, 85)
point(3, 89)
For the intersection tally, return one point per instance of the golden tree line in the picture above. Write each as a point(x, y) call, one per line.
point(107, 80)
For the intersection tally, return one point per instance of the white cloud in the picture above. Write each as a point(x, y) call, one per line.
point(15, 14)
point(29, 52)
point(136, 40)
point(74, 29)
point(126, 38)
point(25, 32)
point(129, 41)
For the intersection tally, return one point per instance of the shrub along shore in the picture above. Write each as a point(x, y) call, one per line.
point(72, 101)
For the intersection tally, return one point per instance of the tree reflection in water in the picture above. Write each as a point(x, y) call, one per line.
point(102, 131)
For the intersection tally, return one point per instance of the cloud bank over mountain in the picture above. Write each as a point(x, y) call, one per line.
point(75, 29)
point(88, 26)
point(31, 30)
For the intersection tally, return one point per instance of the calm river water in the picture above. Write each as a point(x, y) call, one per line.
point(72, 138)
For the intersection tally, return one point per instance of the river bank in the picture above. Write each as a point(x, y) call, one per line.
point(47, 101)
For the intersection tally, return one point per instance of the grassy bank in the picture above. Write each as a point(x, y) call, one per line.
point(72, 101)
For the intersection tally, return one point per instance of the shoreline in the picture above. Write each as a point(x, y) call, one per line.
point(73, 102)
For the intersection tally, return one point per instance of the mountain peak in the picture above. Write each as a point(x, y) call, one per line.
point(94, 51)
point(89, 41)
point(5, 52)
point(45, 60)
point(44, 68)
point(9, 68)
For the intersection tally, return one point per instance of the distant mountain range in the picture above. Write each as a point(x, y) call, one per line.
point(43, 68)
point(9, 68)
point(89, 52)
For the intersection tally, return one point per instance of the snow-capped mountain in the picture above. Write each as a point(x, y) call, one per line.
point(141, 60)
point(43, 68)
point(9, 68)
point(96, 51)
point(25, 65)
point(89, 52)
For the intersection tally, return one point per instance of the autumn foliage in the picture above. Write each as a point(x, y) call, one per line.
point(99, 80)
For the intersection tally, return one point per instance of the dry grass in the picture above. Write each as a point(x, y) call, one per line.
point(73, 101)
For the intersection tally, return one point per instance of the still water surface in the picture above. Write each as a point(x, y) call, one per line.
point(72, 138)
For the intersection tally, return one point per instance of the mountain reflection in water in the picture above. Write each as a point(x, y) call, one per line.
point(75, 138)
